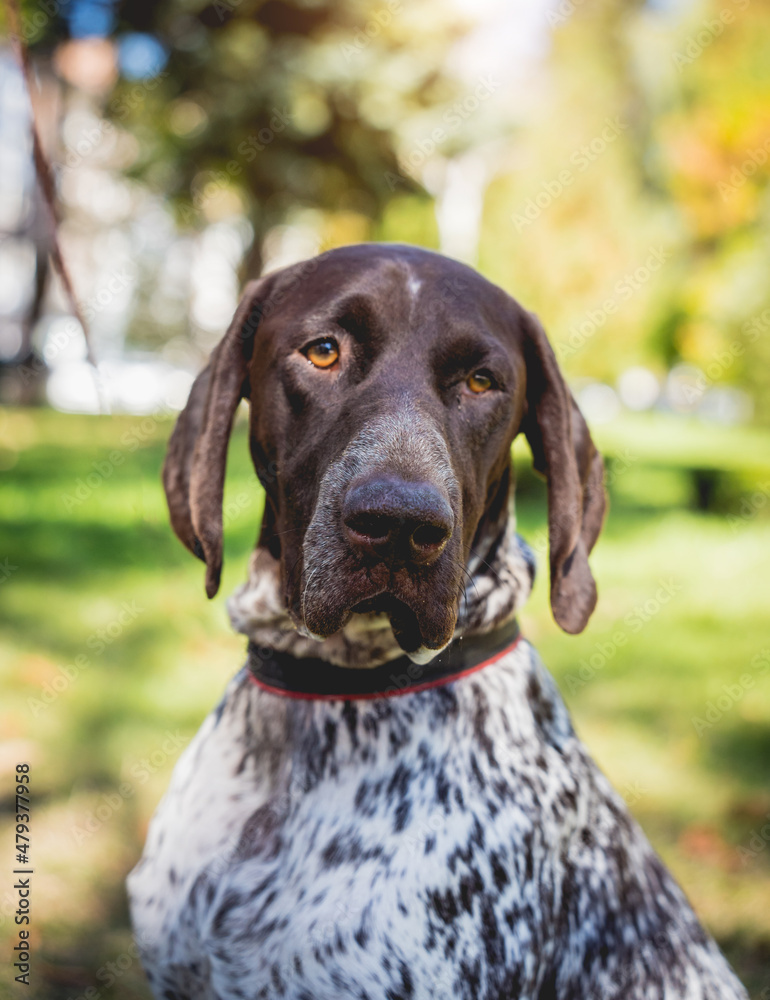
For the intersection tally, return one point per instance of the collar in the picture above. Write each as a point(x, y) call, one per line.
point(311, 678)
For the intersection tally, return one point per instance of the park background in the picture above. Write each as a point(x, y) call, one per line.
point(605, 161)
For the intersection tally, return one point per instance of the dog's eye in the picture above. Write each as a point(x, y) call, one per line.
point(480, 381)
point(322, 353)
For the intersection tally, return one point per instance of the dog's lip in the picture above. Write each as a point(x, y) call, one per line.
point(419, 621)
point(379, 603)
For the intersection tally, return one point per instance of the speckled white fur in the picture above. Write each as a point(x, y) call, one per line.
point(458, 842)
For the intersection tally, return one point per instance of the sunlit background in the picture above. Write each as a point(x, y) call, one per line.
point(606, 162)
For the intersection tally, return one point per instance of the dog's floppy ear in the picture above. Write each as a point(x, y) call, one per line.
point(563, 451)
point(194, 470)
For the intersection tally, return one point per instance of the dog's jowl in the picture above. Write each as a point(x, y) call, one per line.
point(390, 800)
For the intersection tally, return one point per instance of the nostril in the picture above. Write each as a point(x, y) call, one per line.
point(429, 536)
point(371, 526)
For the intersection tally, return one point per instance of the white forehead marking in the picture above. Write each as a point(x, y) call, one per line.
point(413, 284)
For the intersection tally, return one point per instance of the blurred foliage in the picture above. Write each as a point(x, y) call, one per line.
point(273, 108)
point(686, 91)
point(627, 197)
point(286, 106)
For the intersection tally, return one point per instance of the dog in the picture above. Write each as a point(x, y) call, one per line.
point(390, 800)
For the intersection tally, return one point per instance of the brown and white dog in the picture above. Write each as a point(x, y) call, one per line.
point(390, 801)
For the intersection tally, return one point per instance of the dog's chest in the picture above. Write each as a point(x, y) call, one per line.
point(363, 847)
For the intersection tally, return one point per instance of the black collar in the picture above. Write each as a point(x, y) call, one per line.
point(313, 678)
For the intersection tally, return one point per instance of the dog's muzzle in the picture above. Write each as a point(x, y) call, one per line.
point(385, 537)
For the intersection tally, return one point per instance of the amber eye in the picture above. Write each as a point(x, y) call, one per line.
point(323, 353)
point(480, 382)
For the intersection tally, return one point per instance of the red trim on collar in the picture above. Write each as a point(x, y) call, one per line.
point(411, 689)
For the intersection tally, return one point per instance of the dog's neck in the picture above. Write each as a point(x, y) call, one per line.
point(499, 582)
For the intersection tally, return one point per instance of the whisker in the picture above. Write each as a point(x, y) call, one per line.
point(489, 566)
point(472, 581)
point(462, 587)
point(285, 531)
point(307, 584)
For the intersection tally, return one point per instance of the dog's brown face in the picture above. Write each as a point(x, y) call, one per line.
point(387, 384)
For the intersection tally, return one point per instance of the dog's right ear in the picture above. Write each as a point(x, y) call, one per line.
point(194, 470)
point(564, 453)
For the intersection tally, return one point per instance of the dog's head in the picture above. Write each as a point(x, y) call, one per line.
point(386, 384)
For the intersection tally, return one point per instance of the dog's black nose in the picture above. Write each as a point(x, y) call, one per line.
point(394, 519)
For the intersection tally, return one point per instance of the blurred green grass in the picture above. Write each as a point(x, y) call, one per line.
point(87, 543)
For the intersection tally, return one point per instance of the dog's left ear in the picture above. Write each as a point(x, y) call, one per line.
point(563, 451)
point(194, 470)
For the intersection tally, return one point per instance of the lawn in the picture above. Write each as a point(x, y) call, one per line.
point(111, 655)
